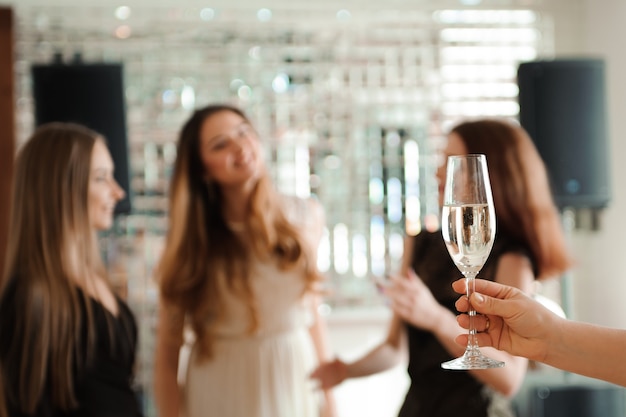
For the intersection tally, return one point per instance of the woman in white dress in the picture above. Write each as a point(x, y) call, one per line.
point(238, 270)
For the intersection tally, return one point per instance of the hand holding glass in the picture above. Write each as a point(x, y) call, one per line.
point(468, 225)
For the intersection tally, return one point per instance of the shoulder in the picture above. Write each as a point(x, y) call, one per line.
point(516, 270)
point(506, 247)
point(299, 205)
point(424, 241)
point(307, 215)
point(507, 243)
point(303, 211)
point(513, 262)
point(422, 246)
point(426, 236)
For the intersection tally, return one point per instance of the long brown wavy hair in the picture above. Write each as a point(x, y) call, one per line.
point(51, 249)
point(525, 208)
point(200, 247)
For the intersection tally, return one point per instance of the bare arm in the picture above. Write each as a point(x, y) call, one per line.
point(385, 356)
point(522, 326)
point(382, 357)
point(168, 344)
point(588, 349)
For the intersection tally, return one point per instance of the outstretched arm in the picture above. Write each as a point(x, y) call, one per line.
point(522, 326)
point(386, 355)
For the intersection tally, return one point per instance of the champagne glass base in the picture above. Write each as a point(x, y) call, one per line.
point(472, 359)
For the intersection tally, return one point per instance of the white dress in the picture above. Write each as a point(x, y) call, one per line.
point(265, 374)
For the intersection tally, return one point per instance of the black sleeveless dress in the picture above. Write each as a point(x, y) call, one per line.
point(436, 392)
point(104, 383)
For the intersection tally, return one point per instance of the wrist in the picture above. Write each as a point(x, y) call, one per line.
point(554, 344)
point(342, 369)
point(439, 318)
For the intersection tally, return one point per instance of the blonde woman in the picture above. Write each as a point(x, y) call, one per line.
point(239, 270)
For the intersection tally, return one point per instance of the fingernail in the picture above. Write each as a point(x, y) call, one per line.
point(479, 298)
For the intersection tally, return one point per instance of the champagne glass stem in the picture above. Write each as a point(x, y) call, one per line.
point(470, 285)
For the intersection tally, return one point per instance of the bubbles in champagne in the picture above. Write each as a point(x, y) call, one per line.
point(468, 231)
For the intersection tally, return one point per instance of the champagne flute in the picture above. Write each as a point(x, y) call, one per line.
point(468, 225)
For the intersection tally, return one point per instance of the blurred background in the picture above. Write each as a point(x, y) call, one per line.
point(352, 100)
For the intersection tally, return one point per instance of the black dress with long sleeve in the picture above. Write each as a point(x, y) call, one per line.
point(103, 385)
point(435, 391)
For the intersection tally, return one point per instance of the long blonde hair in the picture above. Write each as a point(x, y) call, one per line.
point(525, 208)
point(49, 232)
point(200, 246)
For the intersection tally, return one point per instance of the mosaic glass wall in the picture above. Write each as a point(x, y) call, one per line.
point(351, 106)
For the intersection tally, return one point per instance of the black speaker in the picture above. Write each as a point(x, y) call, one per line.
point(578, 401)
point(92, 95)
point(562, 107)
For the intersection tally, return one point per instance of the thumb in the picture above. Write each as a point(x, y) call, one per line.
point(484, 304)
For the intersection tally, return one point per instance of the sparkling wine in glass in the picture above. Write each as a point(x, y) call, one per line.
point(468, 226)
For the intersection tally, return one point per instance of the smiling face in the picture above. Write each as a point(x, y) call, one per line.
point(103, 191)
point(455, 146)
point(229, 150)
